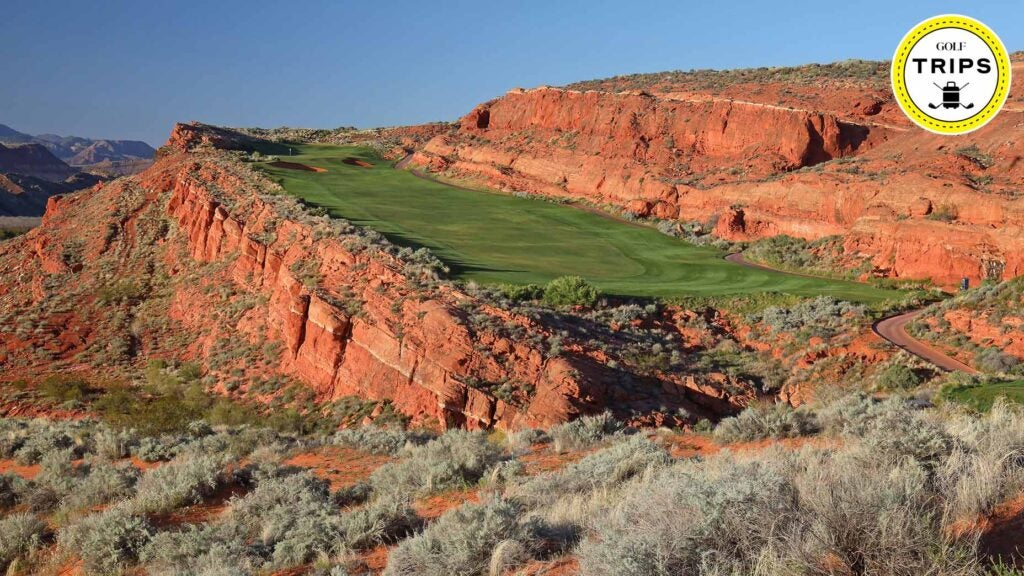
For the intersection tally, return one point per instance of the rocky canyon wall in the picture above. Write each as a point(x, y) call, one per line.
point(915, 203)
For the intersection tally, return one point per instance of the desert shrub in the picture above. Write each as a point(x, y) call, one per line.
point(986, 466)
point(378, 440)
point(113, 444)
point(104, 482)
point(57, 472)
point(505, 472)
point(41, 437)
point(995, 360)
point(527, 293)
point(570, 291)
point(598, 471)
point(584, 431)
point(386, 519)
point(357, 493)
point(875, 514)
point(521, 441)
point(120, 292)
point(974, 154)
point(458, 458)
point(107, 541)
point(944, 213)
point(12, 489)
point(157, 448)
point(291, 515)
point(463, 541)
point(896, 435)
point(183, 481)
point(65, 389)
point(780, 512)
point(20, 536)
point(823, 316)
point(898, 376)
point(760, 421)
point(854, 414)
point(206, 550)
point(692, 518)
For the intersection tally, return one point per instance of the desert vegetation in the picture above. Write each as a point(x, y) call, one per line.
point(864, 72)
point(864, 486)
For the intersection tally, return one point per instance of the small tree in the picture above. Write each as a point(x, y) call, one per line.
point(570, 291)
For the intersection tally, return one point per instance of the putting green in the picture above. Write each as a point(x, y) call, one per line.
point(499, 238)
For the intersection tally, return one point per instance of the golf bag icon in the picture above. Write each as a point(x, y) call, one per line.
point(951, 96)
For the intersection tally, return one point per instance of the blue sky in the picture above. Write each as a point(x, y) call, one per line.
point(119, 69)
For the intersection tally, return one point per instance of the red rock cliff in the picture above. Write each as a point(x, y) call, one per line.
point(823, 164)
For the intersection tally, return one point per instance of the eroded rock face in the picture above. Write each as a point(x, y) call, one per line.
point(830, 161)
point(347, 318)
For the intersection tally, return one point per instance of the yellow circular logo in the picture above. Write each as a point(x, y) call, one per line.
point(951, 74)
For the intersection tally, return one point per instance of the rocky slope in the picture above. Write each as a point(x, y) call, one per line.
point(983, 327)
point(201, 258)
point(761, 153)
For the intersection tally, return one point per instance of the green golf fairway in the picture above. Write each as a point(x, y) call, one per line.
point(498, 238)
point(982, 396)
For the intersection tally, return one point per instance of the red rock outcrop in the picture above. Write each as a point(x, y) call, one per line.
point(349, 318)
point(919, 205)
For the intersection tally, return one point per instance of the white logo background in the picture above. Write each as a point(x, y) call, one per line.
point(971, 86)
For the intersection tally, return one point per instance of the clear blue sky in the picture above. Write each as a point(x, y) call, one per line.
point(131, 69)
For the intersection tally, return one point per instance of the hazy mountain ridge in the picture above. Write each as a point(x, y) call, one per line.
point(78, 151)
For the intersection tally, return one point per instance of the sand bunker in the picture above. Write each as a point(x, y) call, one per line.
point(357, 162)
point(297, 166)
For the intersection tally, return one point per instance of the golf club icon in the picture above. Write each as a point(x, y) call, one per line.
point(951, 96)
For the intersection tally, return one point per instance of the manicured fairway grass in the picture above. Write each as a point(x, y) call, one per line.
point(982, 396)
point(498, 238)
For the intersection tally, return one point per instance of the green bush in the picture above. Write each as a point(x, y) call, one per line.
point(525, 293)
point(64, 388)
point(898, 376)
point(570, 291)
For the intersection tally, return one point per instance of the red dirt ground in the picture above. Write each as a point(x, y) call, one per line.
point(543, 459)
point(434, 506)
point(26, 472)
point(1000, 531)
point(564, 566)
point(200, 513)
point(342, 467)
point(690, 445)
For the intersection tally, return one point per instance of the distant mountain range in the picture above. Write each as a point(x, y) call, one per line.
point(34, 168)
point(78, 151)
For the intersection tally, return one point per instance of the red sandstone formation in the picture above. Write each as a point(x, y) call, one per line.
point(761, 159)
point(348, 318)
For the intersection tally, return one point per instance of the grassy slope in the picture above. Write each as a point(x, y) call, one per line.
point(498, 238)
point(982, 396)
